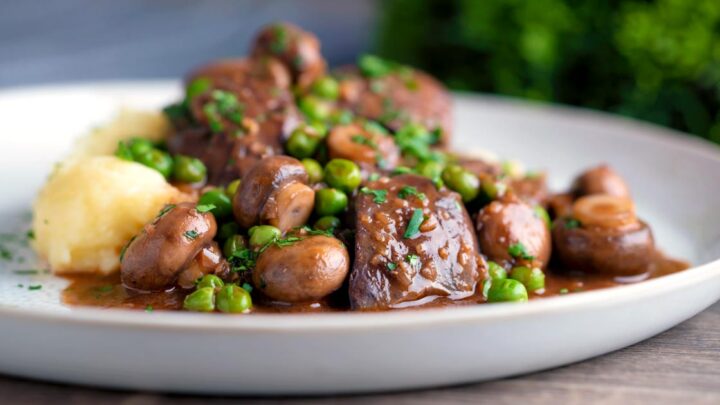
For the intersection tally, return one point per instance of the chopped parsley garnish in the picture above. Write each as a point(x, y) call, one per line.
point(374, 176)
point(572, 223)
point(34, 287)
point(203, 208)
point(518, 250)
point(148, 308)
point(414, 225)
point(311, 231)
point(407, 191)
point(379, 196)
point(414, 260)
point(280, 39)
point(191, 234)
point(124, 249)
point(242, 260)
point(281, 243)
point(223, 104)
point(26, 272)
point(564, 291)
point(359, 139)
point(247, 287)
point(30, 234)
point(391, 266)
point(165, 210)
point(104, 289)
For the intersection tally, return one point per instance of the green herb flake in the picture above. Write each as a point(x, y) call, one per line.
point(280, 39)
point(408, 191)
point(30, 272)
point(361, 140)
point(203, 208)
point(124, 249)
point(20, 286)
point(247, 287)
point(374, 177)
point(379, 196)
point(391, 266)
point(191, 234)
point(242, 260)
point(30, 235)
point(165, 210)
point(564, 291)
point(518, 250)
point(34, 287)
point(104, 289)
point(572, 223)
point(414, 260)
point(414, 225)
point(149, 308)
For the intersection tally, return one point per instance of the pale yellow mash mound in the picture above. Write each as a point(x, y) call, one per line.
point(152, 125)
point(91, 207)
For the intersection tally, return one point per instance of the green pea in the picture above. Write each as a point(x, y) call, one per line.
point(541, 213)
point(218, 198)
point(201, 300)
point(496, 271)
point(493, 189)
point(532, 279)
point(430, 169)
point(506, 290)
point(210, 280)
point(138, 146)
point(301, 143)
point(228, 230)
point(233, 299)
point(463, 182)
point(123, 152)
point(157, 160)
point(330, 201)
point(313, 169)
point(374, 66)
point(233, 244)
point(197, 87)
point(232, 188)
point(326, 87)
point(315, 108)
point(263, 234)
point(327, 223)
point(341, 117)
point(189, 169)
point(343, 174)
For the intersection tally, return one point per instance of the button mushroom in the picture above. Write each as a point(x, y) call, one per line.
point(355, 143)
point(299, 50)
point(303, 271)
point(167, 247)
point(275, 191)
point(600, 180)
point(605, 237)
point(512, 232)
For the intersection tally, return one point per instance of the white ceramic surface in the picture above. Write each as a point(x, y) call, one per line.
point(676, 181)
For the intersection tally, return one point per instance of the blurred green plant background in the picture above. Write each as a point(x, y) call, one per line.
point(657, 60)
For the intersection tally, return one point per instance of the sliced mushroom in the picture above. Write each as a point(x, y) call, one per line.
point(510, 232)
point(600, 180)
point(299, 50)
point(605, 237)
point(355, 143)
point(154, 260)
point(275, 191)
point(306, 270)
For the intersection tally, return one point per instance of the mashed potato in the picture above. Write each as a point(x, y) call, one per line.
point(90, 208)
point(152, 125)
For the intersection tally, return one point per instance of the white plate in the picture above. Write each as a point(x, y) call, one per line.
point(676, 181)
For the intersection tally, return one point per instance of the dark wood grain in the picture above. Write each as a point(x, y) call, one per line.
point(680, 366)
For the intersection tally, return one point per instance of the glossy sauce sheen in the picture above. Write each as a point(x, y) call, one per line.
point(107, 292)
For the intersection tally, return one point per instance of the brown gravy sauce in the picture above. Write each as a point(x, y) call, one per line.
point(108, 292)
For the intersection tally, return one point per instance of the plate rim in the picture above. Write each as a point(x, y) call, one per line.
point(353, 321)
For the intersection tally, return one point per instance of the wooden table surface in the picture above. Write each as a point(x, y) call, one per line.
point(42, 41)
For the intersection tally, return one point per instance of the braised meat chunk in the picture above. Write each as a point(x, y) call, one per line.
point(413, 241)
point(396, 96)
